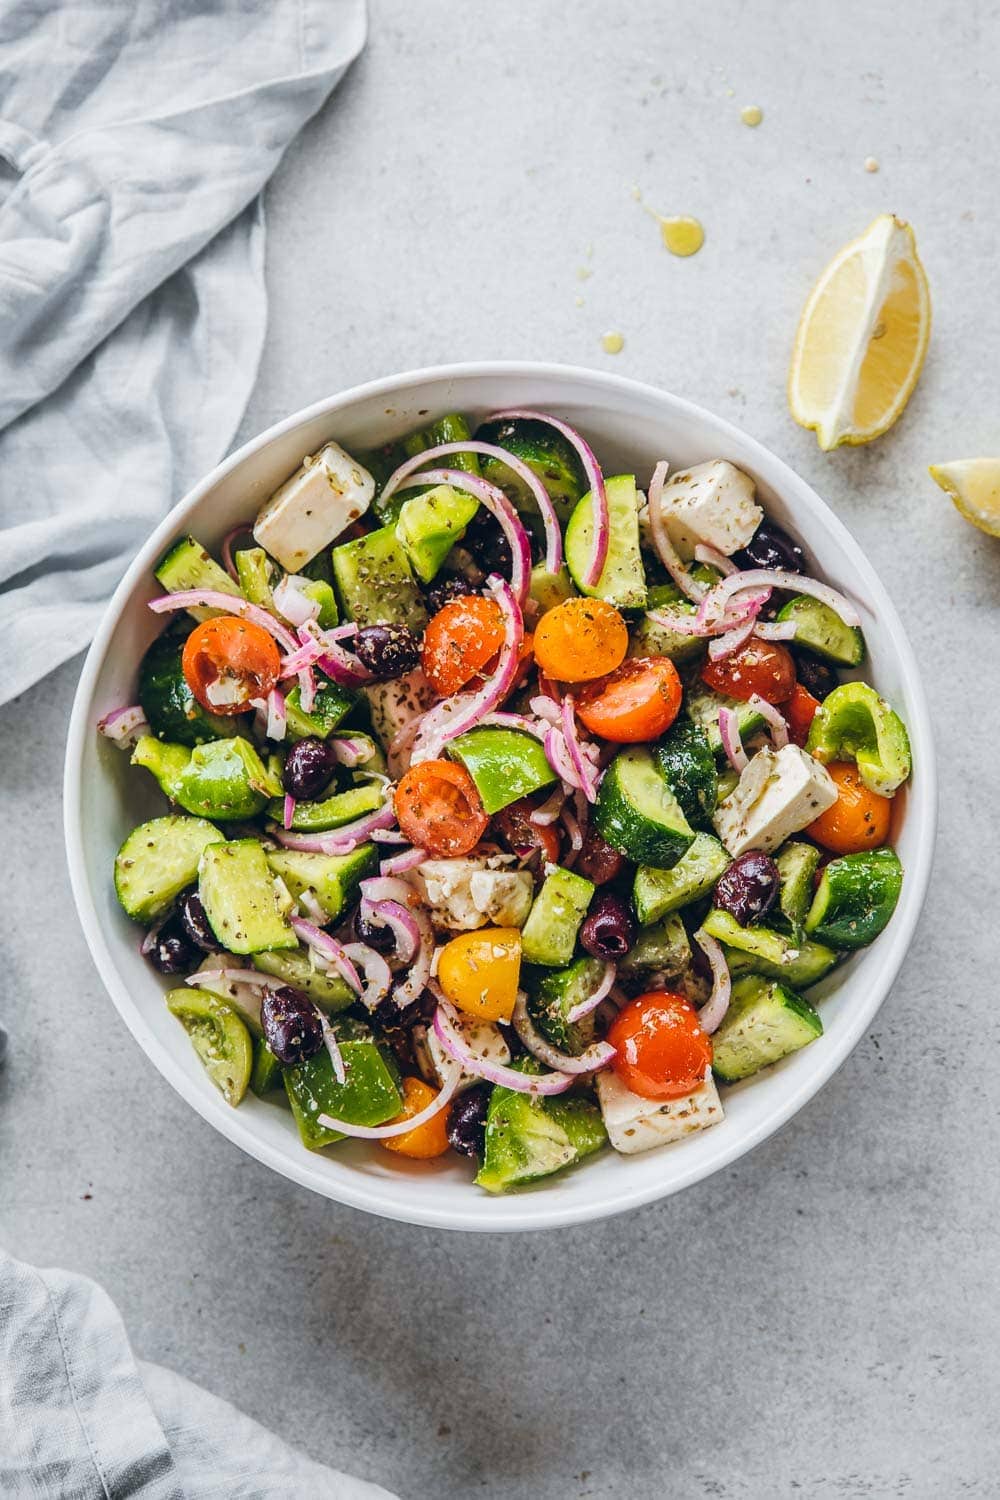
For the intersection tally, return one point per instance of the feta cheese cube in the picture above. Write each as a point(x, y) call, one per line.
point(635, 1124)
point(712, 504)
point(395, 704)
point(484, 1041)
point(463, 894)
point(778, 793)
point(313, 507)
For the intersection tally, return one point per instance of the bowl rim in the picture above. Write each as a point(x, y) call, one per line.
point(537, 1211)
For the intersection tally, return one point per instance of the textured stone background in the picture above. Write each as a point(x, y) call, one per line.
point(821, 1319)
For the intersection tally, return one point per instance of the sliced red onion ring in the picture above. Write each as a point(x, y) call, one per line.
point(288, 810)
point(550, 809)
point(338, 840)
point(553, 535)
point(351, 750)
point(327, 948)
point(729, 730)
point(277, 719)
point(233, 976)
point(400, 1127)
point(713, 1012)
point(305, 655)
point(725, 645)
point(721, 597)
point(572, 828)
point(545, 707)
point(499, 506)
point(777, 630)
point(293, 602)
point(383, 888)
point(308, 904)
point(387, 836)
point(584, 772)
point(665, 549)
point(713, 558)
point(585, 1007)
point(596, 1056)
point(709, 620)
point(516, 721)
point(387, 902)
point(378, 975)
point(558, 756)
point(332, 1045)
point(399, 864)
point(415, 982)
point(149, 941)
point(123, 726)
point(447, 1030)
point(228, 561)
point(592, 470)
point(774, 719)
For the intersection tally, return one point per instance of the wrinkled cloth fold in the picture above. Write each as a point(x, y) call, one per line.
point(81, 1419)
point(137, 140)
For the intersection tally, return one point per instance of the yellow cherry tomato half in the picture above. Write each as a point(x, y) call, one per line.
point(479, 972)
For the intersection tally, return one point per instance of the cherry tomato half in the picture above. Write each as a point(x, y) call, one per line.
point(761, 667)
point(439, 808)
point(859, 819)
point(580, 639)
point(461, 640)
point(637, 702)
point(662, 1051)
point(800, 710)
point(523, 836)
point(227, 661)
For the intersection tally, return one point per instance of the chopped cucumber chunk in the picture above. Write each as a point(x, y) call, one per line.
point(765, 1022)
point(549, 935)
point(657, 892)
point(219, 1037)
point(638, 814)
point(157, 861)
point(623, 579)
point(241, 903)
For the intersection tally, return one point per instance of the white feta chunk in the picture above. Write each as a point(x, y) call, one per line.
point(635, 1124)
point(712, 504)
point(313, 507)
point(483, 1039)
point(462, 894)
point(394, 705)
point(778, 793)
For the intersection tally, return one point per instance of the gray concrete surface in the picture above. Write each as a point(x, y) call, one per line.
point(821, 1319)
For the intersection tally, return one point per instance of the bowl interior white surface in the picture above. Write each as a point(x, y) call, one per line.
point(630, 426)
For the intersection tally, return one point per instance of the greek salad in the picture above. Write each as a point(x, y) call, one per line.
point(512, 809)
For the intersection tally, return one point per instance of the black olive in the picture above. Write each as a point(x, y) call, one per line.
point(815, 676)
point(387, 651)
point(445, 591)
point(609, 929)
point(770, 547)
point(292, 1029)
point(484, 538)
point(377, 936)
point(194, 923)
point(749, 887)
point(467, 1122)
point(309, 765)
point(597, 860)
point(172, 953)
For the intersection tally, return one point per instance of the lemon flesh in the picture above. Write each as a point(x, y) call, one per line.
point(862, 337)
point(974, 486)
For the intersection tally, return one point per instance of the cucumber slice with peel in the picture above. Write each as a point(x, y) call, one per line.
point(658, 892)
point(638, 814)
point(623, 579)
point(157, 861)
point(821, 630)
point(188, 566)
point(219, 1037)
point(855, 898)
point(765, 1022)
point(241, 903)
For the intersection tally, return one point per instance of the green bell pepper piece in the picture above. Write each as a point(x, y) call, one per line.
point(504, 764)
point(854, 723)
point(331, 706)
point(368, 1096)
point(855, 898)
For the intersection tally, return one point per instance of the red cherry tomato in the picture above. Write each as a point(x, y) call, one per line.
point(761, 667)
point(523, 836)
point(227, 661)
point(461, 640)
point(439, 808)
point(662, 1051)
point(800, 710)
point(636, 702)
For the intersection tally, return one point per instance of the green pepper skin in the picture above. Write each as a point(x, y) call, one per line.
point(854, 723)
point(504, 764)
point(172, 711)
point(855, 898)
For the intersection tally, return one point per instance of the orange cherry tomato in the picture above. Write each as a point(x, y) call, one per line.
point(662, 1051)
point(439, 808)
point(523, 836)
point(227, 661)
point(859, 819)
point(461, 640)
point(761, 667)
point(800, 710)
point(430, 1138)
point(580, 639)
point(637, 702)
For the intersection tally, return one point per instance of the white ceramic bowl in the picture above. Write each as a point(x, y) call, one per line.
point(631, 426)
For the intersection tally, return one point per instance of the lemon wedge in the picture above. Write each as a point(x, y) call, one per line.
point(862, 337)
point(974, 486)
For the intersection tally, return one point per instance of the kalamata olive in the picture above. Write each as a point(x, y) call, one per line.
point(609, 928)
point(445, 590)
point(749, 887)
point(467, 1122)
point(487, 543)
point(309, 765)
point(770, 547)
point(292, 1029)
point(597, 860)
point(815, 676)
point(377, 936)
point(387, 651)
point(194, 923)
point(172, 953)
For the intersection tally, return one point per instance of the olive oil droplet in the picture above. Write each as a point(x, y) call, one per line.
point(751, 114)
point(682, 236)
point(871, 164)
point(613, 343)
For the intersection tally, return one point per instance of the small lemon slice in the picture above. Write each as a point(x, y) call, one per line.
point(862, 337)
point(974, 486)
